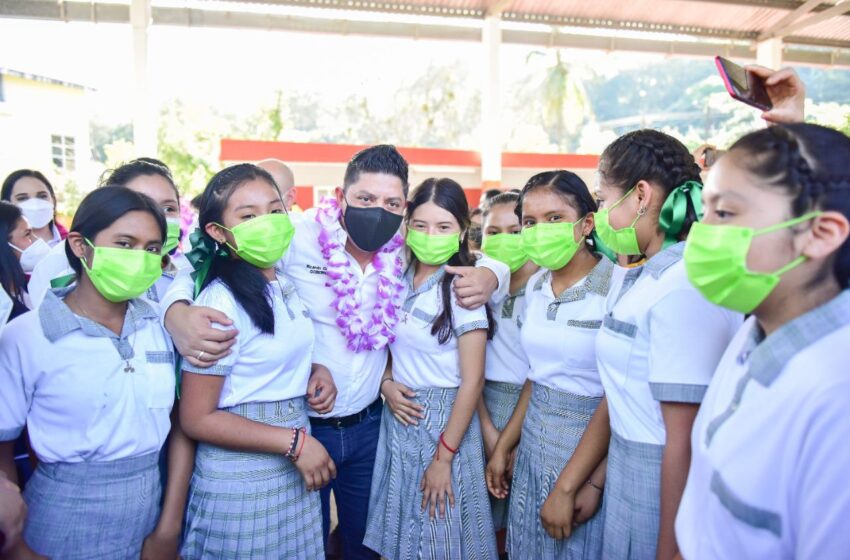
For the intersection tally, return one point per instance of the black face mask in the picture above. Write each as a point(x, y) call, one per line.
point(370, 228)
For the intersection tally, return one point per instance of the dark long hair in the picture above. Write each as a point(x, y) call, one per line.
point(809, 163)
point(14, 176)
point(448, 195)
point(138, 167)
point(12, 276)
point(101, 208)
point(655, 157)
point(245, 281)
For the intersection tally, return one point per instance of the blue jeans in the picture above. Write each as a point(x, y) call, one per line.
point(353, 451)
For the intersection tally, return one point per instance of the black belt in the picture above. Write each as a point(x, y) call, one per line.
point(350, 420)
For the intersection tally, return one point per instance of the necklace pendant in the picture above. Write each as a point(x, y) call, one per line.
point(128, 368)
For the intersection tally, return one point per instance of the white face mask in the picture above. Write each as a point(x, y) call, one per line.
point(32, 254)
point(37, 211)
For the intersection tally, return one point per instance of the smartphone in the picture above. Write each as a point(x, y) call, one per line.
point(743, 85)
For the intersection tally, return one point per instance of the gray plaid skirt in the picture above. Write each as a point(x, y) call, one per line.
point(253, 505)
point(397, 528)
point(500, 398)
point(553, 426)
point(632, 500)
point(93, 510)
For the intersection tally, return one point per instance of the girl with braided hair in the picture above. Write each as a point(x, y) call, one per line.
point(770, 456)
point(656, 350)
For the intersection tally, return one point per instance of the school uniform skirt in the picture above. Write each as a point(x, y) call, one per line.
point(553, 426)
point(253, 505)
point(93, 510)
point(632, 499)
point(397, 527)
point(500, 398)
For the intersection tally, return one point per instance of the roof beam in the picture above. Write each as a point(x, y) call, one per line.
point(117, 13)
point(496, 7)
point(839, 9)
point(790, 18)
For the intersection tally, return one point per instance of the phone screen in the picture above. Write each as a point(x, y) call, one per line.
point(743, 85)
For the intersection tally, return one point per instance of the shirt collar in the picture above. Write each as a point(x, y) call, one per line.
point(597, 281)
point(770, 355)
point(665, 259)
point(57, 319)
point(429, 283)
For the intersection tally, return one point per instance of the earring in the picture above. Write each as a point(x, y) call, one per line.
point(641, 211)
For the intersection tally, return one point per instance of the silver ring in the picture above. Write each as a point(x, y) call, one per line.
point(201, 355)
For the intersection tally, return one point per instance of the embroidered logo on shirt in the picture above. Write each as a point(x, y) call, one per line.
point(313, 269)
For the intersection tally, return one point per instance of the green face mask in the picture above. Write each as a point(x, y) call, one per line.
point(122, 274)
point(432, 249)
point(716, 263)
point(173, 236)
point(551, 245)
point(262, 241)
point(507, 248)
point(621, 241)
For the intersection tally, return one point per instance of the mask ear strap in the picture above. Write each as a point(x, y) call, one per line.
point(789, 223)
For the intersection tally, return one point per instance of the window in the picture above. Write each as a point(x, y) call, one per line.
point(64, 152)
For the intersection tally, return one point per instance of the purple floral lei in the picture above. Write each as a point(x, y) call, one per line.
point(380, 329)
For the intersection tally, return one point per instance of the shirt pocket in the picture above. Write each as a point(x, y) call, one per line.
point(160, 379)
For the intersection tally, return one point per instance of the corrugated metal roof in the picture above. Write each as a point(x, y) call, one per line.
point(732, 19)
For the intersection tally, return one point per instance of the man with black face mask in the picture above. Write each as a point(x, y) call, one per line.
point(345, 261)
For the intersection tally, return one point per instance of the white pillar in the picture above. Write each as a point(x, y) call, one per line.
point(769, 53)
point(144, 120)
point(491, 145)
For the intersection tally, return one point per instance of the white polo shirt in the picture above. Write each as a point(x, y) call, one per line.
point(419, 360)
point(262, 367)
point(66, 378)
point(661, 343)
point(5, 308)
point(768, 477)
point(506, 360)
point(357, 375)
point(559, 333)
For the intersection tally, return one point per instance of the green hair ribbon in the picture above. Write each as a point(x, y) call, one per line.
point(675, 210)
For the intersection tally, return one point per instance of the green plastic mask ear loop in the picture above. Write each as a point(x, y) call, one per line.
point(790, 223)
point(674, 212)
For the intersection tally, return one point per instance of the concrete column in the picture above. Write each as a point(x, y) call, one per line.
point(769, 53)
point(144, 119)
point(491, 145)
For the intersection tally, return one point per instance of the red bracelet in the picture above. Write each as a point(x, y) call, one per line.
point(303, 440)
point(446, 445)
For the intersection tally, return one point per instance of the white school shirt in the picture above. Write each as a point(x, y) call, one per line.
point(66, 378)
point(506, 360)
point(768, 476)
point(661, 342)
point(419, 360)
point(262, 367)
point(5, 308)
point(357, 375)
point(559, 333)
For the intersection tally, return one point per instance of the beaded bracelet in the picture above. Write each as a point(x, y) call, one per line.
point(290, 454)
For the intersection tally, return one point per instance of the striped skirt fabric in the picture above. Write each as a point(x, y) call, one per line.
point(253, 505)
point(93, 510)
point(632, 499)
point(397, 528)
point(500, 398)
point(553, 426)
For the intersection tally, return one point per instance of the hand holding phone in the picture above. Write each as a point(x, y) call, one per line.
point(743, 84)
